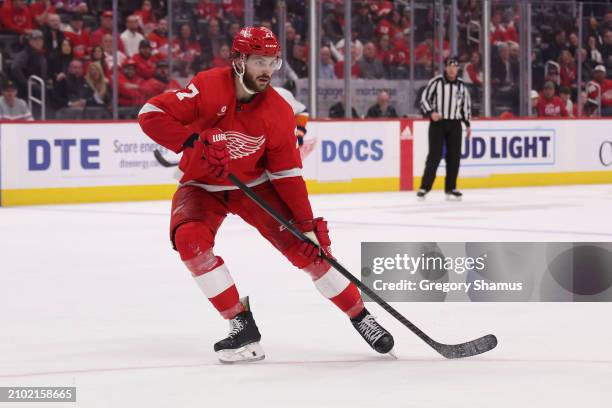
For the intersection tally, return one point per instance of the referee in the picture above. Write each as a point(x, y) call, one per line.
point(446, 102)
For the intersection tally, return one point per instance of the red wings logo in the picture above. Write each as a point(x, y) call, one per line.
point(241, 145)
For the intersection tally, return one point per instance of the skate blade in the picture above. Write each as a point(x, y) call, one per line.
point(392, 354)
point(420, 198)
point(453, 198)
point(245, 354)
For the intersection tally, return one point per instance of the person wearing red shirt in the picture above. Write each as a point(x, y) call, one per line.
point(207, 9)
point(160, 82)
point(79, 37)
point(599, 76)
point(568, 69)
point(130, 93)
point(549, 105)
point(146, 19)
point(472, 74)
point(145, 60)
point(355, 71)
point(385, 50)
point(223, 59)
point(106, 27)
point(159, 38)
point(232, 120)
point(15, 16)
point(40, 11)
point(387, 26)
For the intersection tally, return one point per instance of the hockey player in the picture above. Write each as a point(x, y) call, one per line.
point(231, 120)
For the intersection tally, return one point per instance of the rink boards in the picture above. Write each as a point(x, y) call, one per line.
point(70, 162)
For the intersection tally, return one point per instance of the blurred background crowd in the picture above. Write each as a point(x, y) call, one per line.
point(59, 54)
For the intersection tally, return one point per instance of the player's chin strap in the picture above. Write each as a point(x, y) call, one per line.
point(240, 73)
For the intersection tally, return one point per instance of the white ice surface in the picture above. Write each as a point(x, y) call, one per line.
point(92, 296)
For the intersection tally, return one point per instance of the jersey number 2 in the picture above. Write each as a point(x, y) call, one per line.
point(183, 95)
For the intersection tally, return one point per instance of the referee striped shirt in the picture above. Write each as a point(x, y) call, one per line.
point(450, 99)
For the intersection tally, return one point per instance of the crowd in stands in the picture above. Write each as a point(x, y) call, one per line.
point(69, 45)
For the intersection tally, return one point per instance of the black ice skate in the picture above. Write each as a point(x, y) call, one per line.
point(242, 343)
point(453, 195)
point(421, 194)
point(373, 333)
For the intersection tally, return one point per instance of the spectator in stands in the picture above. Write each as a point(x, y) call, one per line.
point(223, 59)
point(146, 19)
point(29, 61)
point(332, 23)
point(553, 51)
point(79, 36)
point(15, 17)
point(550, 105)
point(40, 12)
point(59, 60)
point(565, 95)
point(498, 29)
point(369, 66)
point(52, 33)
point(207, 9)
point(97, 55)
point(504, 69)
point(96, 80)
point(71, 6)
point(424, 51)
point(573, 44)
point(159, 37)
point(604, 91)
point(145, 60)
point(390, 25)
point(382, 108)
point(160, 82)
point(339, 67)
point(594, 56)
point(211, 42)
point(472, 72)
point(107, 46)
point(106, 27)
point(363, 23)
point(606, 48)
point(587, 108)
point(337, 111)
point(326, 69)
point(400, 57)
point(593, 30)
point(297, 59)
point(234, 27)
point(130, 93)
point(567, 69)
point(12, 107)
point(385, 54)
point(71, 93)
point(131, 37)
point(187, 51)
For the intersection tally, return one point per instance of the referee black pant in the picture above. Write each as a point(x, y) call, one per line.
point(443, 132)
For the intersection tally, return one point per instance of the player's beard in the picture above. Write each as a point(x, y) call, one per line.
point(253, 84)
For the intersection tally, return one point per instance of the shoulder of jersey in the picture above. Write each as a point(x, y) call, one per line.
point(275, 101)
point(213, 74)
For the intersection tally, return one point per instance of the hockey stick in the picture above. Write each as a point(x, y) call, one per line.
point(468, 349)
point(162, 160)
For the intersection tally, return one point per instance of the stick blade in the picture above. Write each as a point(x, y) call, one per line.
point(468, 349)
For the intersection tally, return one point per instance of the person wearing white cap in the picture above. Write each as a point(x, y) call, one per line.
point(604, 94)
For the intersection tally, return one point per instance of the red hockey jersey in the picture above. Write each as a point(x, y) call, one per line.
point(261, 133)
